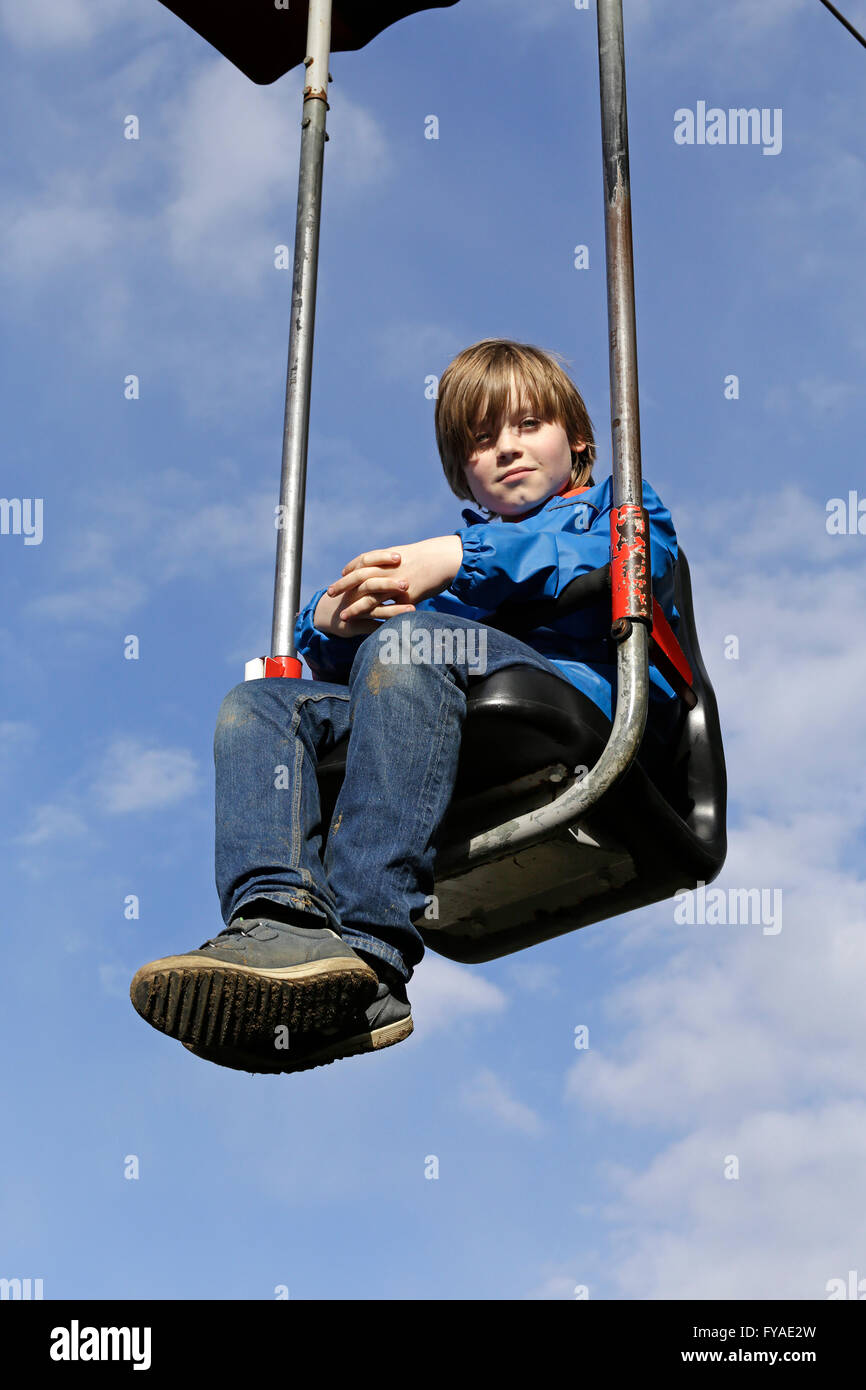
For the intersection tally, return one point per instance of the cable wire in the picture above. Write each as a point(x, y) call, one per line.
point(842, 20)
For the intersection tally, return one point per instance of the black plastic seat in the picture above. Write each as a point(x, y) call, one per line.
point(518, 720)
point(660, 829)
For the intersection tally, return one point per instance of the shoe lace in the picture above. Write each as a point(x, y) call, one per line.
point(234, 930)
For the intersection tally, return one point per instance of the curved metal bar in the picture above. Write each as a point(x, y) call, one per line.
point(624, 399)
point(581, 793)
point(632, 701)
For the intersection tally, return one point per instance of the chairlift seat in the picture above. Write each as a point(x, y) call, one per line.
point(661, 827)
point(659, 830)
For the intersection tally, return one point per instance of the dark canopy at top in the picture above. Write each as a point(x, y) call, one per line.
point(265, 42)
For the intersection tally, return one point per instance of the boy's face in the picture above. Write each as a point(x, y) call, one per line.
point(528, 463)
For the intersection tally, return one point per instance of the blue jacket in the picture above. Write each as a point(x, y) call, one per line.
point(532, 558)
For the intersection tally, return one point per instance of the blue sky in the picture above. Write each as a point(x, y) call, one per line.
point(558, 1168)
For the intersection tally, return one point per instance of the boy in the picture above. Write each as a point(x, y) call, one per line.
point(320, 942)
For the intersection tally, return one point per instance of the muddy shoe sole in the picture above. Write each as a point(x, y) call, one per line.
point(216, 1005)
point(309, 1054)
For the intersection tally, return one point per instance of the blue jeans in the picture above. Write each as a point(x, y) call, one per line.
point(405, 718)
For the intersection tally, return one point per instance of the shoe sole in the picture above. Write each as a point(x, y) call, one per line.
point(214, 1004)
point(239, 1060)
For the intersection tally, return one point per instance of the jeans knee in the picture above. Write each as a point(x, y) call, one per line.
point(399, 644)
point(428, 640)
point(238, 707)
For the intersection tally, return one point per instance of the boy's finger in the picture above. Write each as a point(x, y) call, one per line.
point(358, 608)
point(342, 586)
point(364, 606)
point(357, 579)
point(372, 557)
point(392, 610)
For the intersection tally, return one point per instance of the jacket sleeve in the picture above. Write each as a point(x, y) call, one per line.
point(329, 658)
point(506, 561)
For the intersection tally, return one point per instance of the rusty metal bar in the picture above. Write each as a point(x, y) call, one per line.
point(624, 408)
point(632, 701)
point(630, 577)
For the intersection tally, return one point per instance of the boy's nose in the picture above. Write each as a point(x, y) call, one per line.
point(508, 442)
point(505, 458)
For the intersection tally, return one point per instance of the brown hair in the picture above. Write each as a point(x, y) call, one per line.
point(476, 387)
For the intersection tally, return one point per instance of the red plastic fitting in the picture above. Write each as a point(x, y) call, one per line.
point(283, 666)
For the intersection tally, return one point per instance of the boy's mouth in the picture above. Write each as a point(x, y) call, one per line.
point(515, 473)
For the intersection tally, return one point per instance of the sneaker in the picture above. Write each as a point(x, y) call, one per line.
point(386, 1020)
point(257, 981)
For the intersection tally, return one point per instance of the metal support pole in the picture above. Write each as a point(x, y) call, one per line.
point(624, 407)
point(296, 423)
point(577, 797)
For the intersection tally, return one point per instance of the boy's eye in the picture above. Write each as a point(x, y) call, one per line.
point(527, 420)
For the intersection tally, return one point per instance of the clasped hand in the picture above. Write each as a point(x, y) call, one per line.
point(383, 584)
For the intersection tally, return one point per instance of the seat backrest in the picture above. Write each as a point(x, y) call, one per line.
point(699, 761)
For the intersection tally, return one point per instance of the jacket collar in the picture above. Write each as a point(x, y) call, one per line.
point(564, 492)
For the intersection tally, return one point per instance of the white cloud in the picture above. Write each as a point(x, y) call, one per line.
point(558, 1286)
point(671, 31)
point(130, 777)
point(821, 394)
point(95, 603)
point(229, 169)
point(721, 1026)
point(815, 248)
point(56, 23)
point(233, 159)
point(542, 14)
point(222, 154)
point(46, 232)
point(737, 1040)
point(718, 1027)
point(732, 39)
point(791, 1221)
point(487, 1094)
point(445, 995)
point(336, 533)
point(114, 980)
point(52, 822)
point(537, 977)
point(218, 533)
point(167, 518)
point(134, 777)
point(790, 704)
point(15, 733)
point(410, 350)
